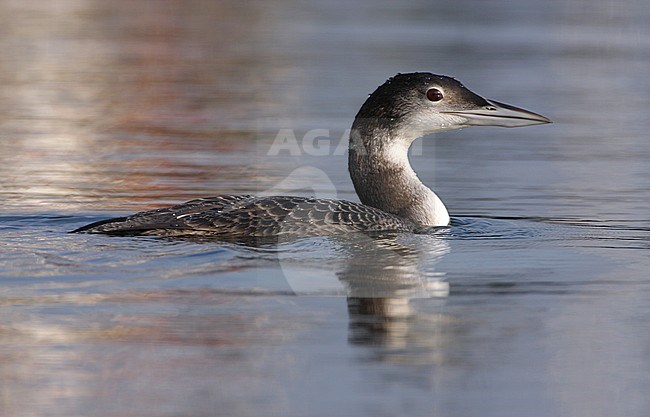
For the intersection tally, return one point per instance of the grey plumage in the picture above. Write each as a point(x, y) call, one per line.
point(233, 216)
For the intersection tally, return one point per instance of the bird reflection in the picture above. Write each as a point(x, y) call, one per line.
point(383, 278)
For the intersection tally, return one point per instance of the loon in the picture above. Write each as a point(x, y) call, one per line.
point(393, 199)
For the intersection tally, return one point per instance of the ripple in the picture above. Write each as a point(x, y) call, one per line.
point(497, 228)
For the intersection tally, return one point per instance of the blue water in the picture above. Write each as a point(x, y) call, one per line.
point(534, 302)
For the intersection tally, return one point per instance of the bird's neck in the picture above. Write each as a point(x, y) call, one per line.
point(383, 177)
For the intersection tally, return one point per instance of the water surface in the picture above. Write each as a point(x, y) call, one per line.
point(535, 301)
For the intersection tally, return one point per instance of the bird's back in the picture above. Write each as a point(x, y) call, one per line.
point(240, 216)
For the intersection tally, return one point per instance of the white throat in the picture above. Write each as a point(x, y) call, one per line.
point(383, 178)
point(429, 209)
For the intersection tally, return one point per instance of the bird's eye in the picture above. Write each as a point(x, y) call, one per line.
point(434, 94)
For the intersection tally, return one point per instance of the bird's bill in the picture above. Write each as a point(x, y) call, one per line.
point(500, 114)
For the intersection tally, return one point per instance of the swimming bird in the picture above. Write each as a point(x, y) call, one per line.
point(404, 108)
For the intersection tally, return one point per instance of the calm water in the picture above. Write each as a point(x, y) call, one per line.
point(535, 302)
